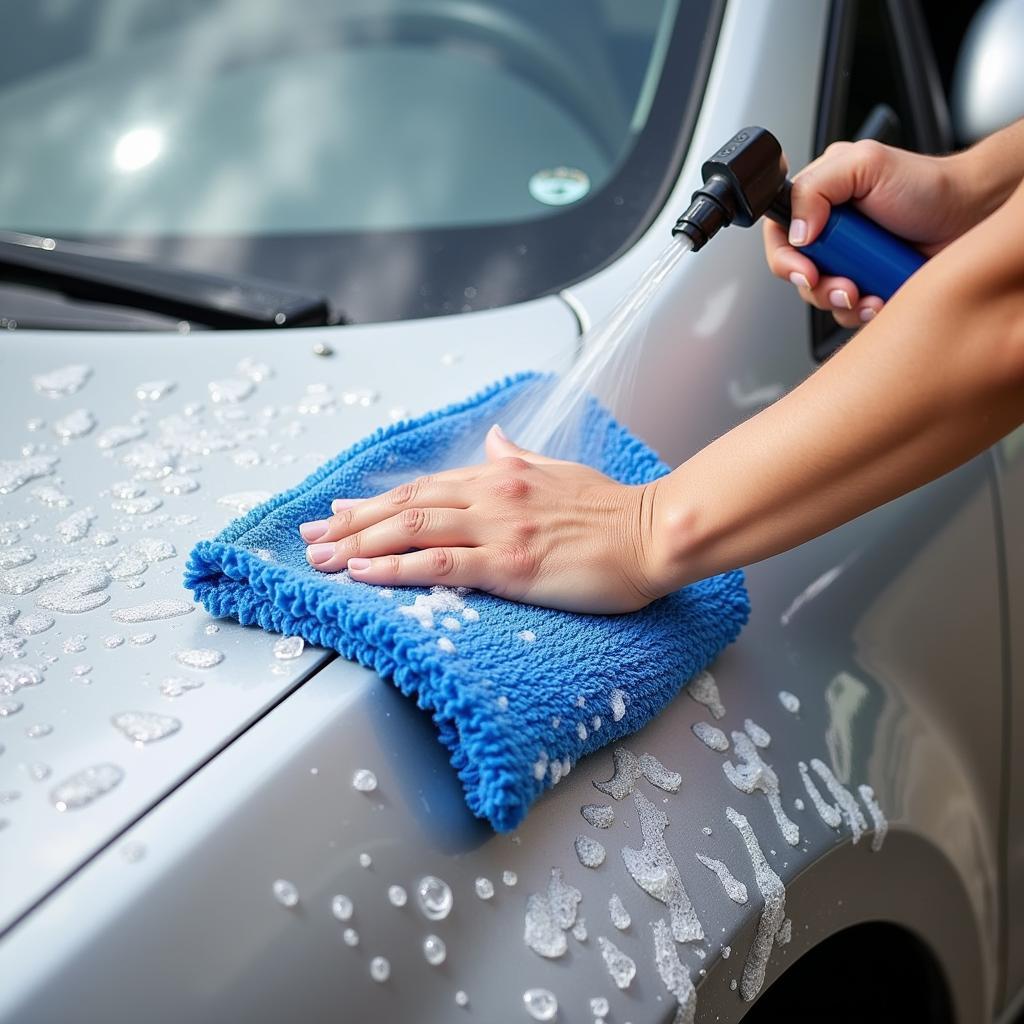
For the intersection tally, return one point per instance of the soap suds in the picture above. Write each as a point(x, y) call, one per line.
point(704, 690)
point(734, 889)
point(842, 796)
point(654, 870)
point(878, 819)
point(711, 736)
point(675, 975)
point(550, 916)
point(754, 775)
point(772, 916)
point(621, 967)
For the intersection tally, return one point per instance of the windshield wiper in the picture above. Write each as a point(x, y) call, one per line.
point(94, 274)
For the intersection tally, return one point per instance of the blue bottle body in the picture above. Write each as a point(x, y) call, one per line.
point(852, 246)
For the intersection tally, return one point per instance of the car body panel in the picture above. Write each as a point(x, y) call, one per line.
point(888, 630)
point(273, 446)
point(1010, 460)
point(224, 947)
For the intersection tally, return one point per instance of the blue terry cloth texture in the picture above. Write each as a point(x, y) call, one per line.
point(519, 694)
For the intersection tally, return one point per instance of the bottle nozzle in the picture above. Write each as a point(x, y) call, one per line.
point(743, 181)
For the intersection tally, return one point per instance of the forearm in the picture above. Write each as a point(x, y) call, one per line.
point(991, 170)
point(931, 382)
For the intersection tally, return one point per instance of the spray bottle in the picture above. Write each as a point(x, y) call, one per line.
point(746, 179)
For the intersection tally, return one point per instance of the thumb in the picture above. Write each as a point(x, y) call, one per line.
point(498, 446)
point(845, 171)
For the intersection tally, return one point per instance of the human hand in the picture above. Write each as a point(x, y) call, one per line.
point(923, 199)
point(520, 525)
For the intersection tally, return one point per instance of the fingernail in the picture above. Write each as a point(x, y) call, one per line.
point(358, 564)
point(501, 433)
point(319, 553)
point(797, 232)
point(867, 313)
point(799, 280)
point(840, 299)
point(314, 530)
point(340, 504)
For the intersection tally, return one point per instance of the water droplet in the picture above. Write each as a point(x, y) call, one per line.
point(230, 390)
point(143, 727)
point(364, 780)
point(113, 641)
point(351, 937)
point(599, 1006)
point(540, 1003)
point(759, 736)
point(590, 852)
point(397, 895)
point(434, 950)
point(38, 771)
point(176, 686)
point(341, 907)
point(115, 437)
point(579, 930)
point(199, 657)
point(509, 878)
point(618, 913)
point(711, 736)
point(435, 897)
point(484, 886)
point(62, 382)
point(461, 998)
point(285, 893)
point(288, 647)
point(10, 707)
point(790, 701)
point(380, 969)
point(141, 639)
point(39, 730)
point(211, 629)
point(154, 390)
point(527, 636)
point(85, 786)
point(75, 425)
point(704, 690)
point(365, 860)
point(177, 484)
point(15, 473)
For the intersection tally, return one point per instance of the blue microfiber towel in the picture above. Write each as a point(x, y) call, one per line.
point(519, 694)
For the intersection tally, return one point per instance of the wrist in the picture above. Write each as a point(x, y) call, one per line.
point(981, 178)
point(678, 537)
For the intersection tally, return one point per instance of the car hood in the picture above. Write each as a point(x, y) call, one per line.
point(120, 451)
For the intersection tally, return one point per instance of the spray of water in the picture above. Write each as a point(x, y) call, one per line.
point(548, 417)
point(549, 422)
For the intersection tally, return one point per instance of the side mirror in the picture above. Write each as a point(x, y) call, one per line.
point(988, 82)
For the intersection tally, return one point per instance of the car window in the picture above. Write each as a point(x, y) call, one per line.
point(307, 136)
point(149, 117)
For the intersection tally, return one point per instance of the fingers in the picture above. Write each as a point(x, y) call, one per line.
point(845, 171)
point(836, 295)
point(413, 528)
point(352, 515)
point(447, 566)
point(785, 261)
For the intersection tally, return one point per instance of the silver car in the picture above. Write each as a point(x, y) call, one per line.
point(239, 236)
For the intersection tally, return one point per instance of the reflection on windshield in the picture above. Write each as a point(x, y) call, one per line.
point(255, 117)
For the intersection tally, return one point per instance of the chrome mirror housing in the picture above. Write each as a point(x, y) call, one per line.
point(988, 82)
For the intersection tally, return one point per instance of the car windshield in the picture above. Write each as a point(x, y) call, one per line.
point(243, 124)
